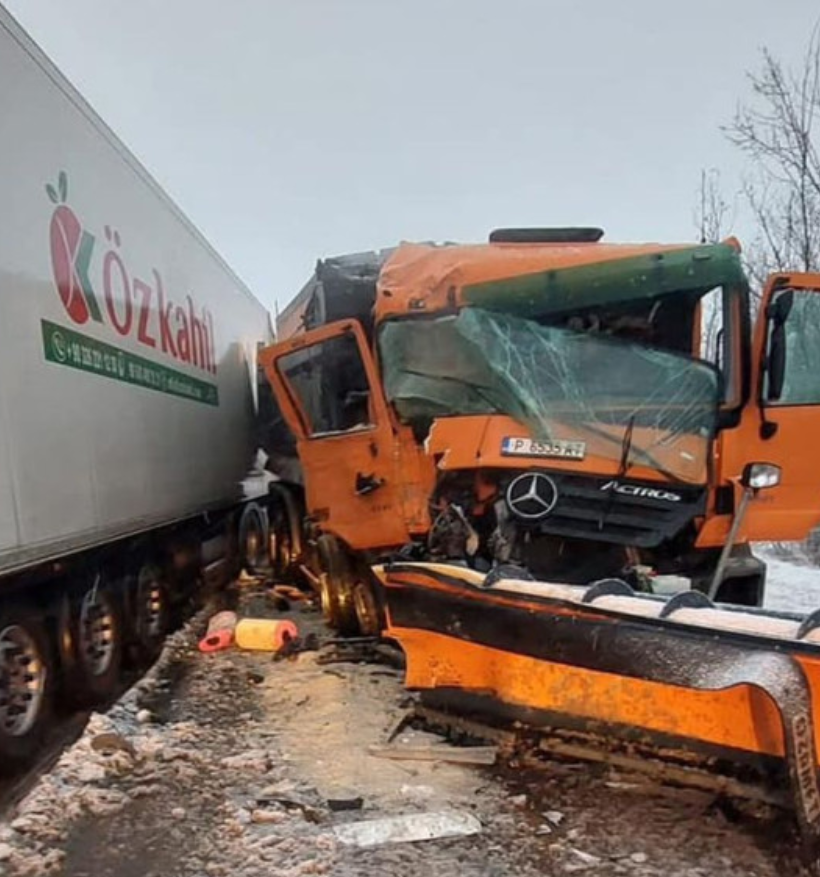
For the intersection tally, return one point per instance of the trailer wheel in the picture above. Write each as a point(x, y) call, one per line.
point(152, 612)
point(97, 637)
point(26, 685)
point(253, 538)
point(336, 586)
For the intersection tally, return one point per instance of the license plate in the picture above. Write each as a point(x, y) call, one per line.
point(512, 446)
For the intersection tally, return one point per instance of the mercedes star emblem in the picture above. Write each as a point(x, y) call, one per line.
point(532, 496)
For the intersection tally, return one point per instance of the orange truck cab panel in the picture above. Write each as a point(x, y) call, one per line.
point(547, 401)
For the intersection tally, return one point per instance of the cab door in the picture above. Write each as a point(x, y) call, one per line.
point(781, 421)
point(329, 392)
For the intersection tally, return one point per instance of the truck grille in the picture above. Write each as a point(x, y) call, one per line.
point(621, 510)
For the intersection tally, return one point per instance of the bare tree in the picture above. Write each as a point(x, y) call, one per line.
point(779, 130)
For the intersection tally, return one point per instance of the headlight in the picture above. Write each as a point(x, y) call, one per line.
point(759, 476)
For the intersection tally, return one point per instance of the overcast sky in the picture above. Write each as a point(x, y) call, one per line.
point(293, 129)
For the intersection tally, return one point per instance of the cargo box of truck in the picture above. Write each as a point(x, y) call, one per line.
point(127, 370)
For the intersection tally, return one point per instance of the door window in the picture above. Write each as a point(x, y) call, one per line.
point(720, 338)
point(801, 374)
point(329, 382)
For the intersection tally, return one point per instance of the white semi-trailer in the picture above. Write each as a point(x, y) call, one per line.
point(127, 374)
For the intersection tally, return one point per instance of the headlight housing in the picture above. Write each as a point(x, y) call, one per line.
point(759, 476)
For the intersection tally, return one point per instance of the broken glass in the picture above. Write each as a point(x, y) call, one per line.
point(624, 400)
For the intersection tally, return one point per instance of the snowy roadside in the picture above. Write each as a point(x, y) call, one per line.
point(791, 585)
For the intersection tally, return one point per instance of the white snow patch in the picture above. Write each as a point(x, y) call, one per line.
point(790, 586)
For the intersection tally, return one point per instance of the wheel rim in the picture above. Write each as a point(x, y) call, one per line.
point(22, 680)
point(97, 632)
point(367, 611)
point(150, 606)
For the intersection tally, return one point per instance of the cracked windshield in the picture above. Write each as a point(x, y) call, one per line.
point(625, 401)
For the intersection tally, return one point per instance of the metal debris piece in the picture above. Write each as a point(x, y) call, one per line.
point(407, 829)
point(290, 593)
point(342, 800)
point(310, 813)
point(398, 725)
point(361, 649)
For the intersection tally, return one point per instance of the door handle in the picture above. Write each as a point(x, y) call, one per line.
point(367, 484)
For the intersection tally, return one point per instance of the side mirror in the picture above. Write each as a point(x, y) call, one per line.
point(777, 313)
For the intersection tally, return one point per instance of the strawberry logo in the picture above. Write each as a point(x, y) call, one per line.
point(71, 249)
point(136, 307)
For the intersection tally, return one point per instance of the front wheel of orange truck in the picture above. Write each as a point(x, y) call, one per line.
point(369, 615)
point(336, 586)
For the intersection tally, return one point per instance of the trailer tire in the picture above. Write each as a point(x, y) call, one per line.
point(336, 586)
point(151, 612)
point(96, 627)
point(253, 539)
point(27, 676)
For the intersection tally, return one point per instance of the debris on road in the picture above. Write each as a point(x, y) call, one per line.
point(407, 829)
point(585, 860)
point(438, 752)
point(220, 633)
point(265, 634)
point(110, 743)
point(340, 801)
point(398, 725)
point(355, 651)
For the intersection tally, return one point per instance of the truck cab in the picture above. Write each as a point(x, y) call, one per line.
point(550, 403)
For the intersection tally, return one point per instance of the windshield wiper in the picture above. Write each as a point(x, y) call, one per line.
point(639, 452)
point(623, 467)
point(626, 446)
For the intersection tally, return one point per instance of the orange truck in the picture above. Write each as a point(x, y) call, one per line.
point(538, 464)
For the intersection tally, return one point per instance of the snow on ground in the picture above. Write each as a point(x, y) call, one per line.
point(791, 585)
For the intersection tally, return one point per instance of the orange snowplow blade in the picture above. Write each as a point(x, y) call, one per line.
point(718, 682)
